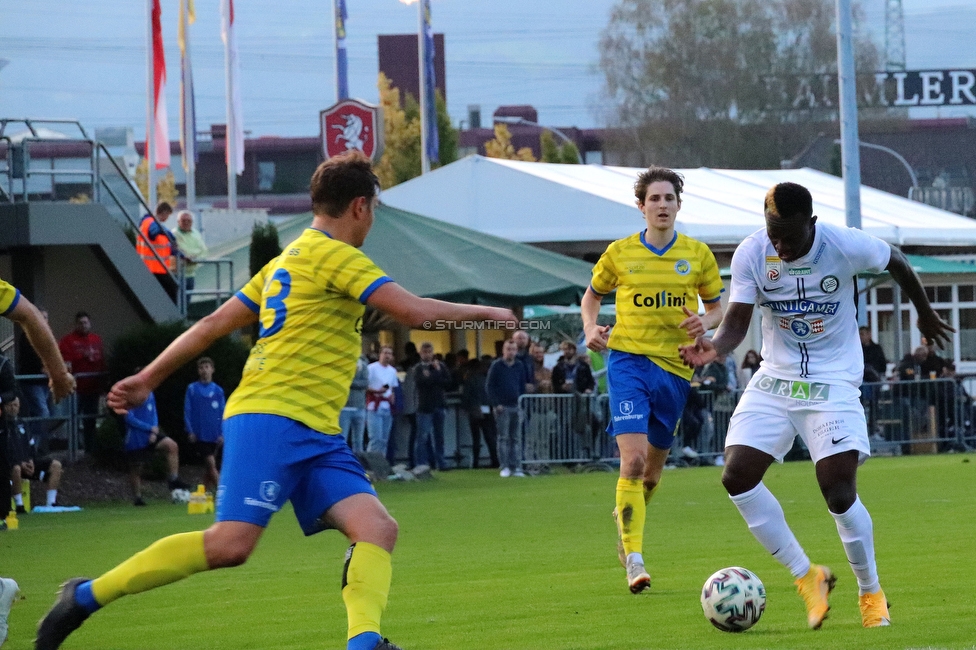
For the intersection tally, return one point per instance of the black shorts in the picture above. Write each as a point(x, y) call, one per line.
point(144, 455)
point(205, 449)
point(42, 470)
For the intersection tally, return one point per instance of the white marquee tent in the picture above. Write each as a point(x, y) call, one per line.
point(543, 202)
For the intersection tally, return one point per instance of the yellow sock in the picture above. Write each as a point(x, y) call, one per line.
point(366, 586)
point(649, 494)
point(631, 511)
point(168, 560)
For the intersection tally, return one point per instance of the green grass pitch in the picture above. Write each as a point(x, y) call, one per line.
point(530, 563)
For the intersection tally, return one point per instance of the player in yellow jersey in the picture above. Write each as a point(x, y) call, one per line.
point(282, 439)
point(659, 275)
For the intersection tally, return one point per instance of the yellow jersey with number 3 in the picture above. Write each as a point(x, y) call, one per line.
point(310, 302)
point(652, 287)
point(9, 297)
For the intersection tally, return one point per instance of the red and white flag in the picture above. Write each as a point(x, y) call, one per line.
point(160, 131)
point(235, 120)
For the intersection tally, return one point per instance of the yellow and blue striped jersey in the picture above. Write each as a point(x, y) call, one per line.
point(310, 302)
point(652, 286)
point(9, 297)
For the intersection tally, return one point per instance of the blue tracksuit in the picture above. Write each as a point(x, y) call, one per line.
point(139, 423)
point(203, 411)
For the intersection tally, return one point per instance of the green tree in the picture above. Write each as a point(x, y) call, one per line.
point(264, 246)
point(447, 135)
point(548, 148)
point(703, 82)
point(401, 123)
point(569, 154)
point(501, 146)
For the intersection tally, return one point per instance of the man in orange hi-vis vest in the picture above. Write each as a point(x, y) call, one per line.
point(155, 238)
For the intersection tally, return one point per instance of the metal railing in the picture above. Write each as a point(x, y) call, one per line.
point(903, 417)
point(19, 167)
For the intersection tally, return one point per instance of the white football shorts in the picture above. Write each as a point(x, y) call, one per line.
point(772, 412)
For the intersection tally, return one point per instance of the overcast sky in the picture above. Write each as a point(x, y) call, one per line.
point(86, 60)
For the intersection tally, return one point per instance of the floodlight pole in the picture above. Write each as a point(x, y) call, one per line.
point(849, 152)
point(898, 156)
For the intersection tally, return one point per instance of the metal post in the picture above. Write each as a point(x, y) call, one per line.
point(850, 154)
point(424, 160)
point(150, 109)
point(896, 306)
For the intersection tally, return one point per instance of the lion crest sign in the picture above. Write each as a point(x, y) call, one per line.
point(352, 124)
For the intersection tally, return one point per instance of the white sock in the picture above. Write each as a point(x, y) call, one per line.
point(19, 499)
point(52, 497)
point(857, 534)
point(767, 522)
point(635, 557)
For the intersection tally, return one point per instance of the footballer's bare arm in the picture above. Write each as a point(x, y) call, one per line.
point(414, 311)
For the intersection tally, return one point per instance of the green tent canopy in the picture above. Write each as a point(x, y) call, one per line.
point(434, 259)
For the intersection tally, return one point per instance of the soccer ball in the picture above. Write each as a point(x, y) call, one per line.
point(733, 599)
point(180, 496)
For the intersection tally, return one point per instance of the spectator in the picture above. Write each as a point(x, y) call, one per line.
point(380, 400)
point(25, 461)
point(506, 382)
point(20, 310)
point(432, 378)
point(459, 370)
point(82, 351)
point(191, 247)
point(203, 417)
point(143, 439)
point(714, 376)
point(156, 240)
point(352, 417)
point(35, 392)
point(542, 375)
point(598, 367)
point(410, 356)
point(731, 372)
point(522, 341)
point(570, 374)
point(409, 407)
point(922, 363)
point(874, 356)
point(750, 365)
point(474, 400)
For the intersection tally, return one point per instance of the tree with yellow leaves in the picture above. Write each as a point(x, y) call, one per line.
point(501, 146)
point(165, 186)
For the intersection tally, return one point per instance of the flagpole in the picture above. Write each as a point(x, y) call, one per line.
point(231, 140)
point(150, 109)
point(422, 61)
point(189, 117)
point(335, 34)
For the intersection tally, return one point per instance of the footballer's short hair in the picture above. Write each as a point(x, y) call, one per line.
point(788, 200)
point(654, 174)
point(340, 180)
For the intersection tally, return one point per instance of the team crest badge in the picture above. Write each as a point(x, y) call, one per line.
point(352, 124)
point(626, 407)
point(269, 491)
point(682, 267)
point(830, 284)
point(774, 269)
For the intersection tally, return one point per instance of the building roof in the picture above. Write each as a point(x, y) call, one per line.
point(547, 202)
point(437, 260)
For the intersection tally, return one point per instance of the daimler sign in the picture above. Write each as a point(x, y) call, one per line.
point(883, 89)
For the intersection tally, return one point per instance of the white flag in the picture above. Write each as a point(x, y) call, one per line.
point(235, 120)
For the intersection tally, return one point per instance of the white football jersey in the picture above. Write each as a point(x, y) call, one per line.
point(809, 317)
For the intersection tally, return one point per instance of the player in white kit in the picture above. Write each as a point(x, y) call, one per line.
point(803, 276)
